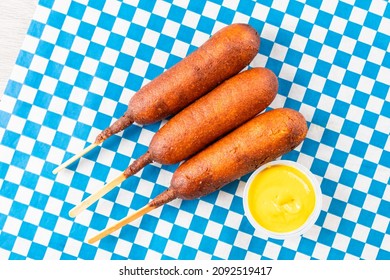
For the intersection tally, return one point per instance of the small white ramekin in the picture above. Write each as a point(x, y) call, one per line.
point(311, 219)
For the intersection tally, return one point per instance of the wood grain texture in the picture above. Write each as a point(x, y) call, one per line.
point(15, 17)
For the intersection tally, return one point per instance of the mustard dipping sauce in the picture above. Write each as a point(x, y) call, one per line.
point(281, 198)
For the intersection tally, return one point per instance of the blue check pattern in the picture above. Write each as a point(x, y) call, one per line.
point(81, 62)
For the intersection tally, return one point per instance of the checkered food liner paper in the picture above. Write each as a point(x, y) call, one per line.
point(81, 62)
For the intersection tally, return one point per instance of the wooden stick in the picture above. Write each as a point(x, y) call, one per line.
point(163, 198)
point(147, 208)
point(74, 158)
point(133, 168)
point(97, 195)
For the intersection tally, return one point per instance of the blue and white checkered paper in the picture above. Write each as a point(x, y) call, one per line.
point(81, 62)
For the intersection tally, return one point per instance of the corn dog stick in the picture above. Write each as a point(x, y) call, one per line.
point(137, 165)
point(163, 198)
point(147, 208)
point(74, 158)
point(94, 197)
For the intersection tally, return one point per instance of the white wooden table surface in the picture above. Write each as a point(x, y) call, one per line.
point(15, 17)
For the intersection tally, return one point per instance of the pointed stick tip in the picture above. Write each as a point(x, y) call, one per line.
point(92, 240)
point(72, 213)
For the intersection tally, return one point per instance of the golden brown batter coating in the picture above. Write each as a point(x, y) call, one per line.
point(226, 107)
point(229, 105)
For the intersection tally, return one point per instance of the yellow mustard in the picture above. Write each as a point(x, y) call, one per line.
point(281, 198)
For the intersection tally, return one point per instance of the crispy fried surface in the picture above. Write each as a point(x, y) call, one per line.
point(264, 138)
